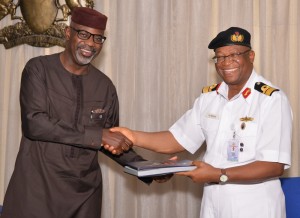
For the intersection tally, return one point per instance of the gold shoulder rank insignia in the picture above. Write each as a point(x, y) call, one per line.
point(211, 88)
point(265, 89)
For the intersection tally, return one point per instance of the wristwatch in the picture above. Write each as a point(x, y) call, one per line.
point(223, 177)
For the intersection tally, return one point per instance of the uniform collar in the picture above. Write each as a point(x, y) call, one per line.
point(246, 92)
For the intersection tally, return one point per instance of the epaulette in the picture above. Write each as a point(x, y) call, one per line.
point(265, 89)
point(211, 88)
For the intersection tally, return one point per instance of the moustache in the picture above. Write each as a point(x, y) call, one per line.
point(88, 48)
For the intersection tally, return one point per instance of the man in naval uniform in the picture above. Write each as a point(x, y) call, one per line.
point(246, 123)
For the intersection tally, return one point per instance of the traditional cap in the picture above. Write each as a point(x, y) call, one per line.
point(231, 36)
point(89, 17)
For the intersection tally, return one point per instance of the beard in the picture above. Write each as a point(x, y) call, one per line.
point(85, 54)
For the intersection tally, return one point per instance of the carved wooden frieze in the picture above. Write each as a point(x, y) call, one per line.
point(42, 22)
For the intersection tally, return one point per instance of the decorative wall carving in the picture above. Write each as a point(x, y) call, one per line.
point(42, 22)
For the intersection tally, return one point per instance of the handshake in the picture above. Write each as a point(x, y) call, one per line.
point(117, 140)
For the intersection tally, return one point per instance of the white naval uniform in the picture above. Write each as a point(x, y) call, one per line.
point(264, 136)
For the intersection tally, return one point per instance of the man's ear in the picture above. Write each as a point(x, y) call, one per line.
point(67, 32)
point(251, 56)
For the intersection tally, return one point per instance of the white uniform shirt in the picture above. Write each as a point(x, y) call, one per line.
point(261, 124)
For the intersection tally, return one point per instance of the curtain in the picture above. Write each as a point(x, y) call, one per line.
point(156, 54)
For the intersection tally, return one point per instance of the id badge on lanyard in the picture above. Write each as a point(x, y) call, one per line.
point(233, 149)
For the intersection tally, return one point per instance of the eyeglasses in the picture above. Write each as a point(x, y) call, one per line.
point(234, 56)
point(85, 35)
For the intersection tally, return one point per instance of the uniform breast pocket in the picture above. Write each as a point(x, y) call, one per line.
point(210, 123)
point(95, 114)
point(247, 139)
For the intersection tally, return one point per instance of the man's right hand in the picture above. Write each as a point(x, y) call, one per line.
point(115, 142)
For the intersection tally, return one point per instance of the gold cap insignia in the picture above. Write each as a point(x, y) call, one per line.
point(237, 37)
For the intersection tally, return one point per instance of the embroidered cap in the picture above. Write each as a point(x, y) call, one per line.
point(231, 36)
point(89, 17)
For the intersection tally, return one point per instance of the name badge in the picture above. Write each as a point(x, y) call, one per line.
point(233, 150)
